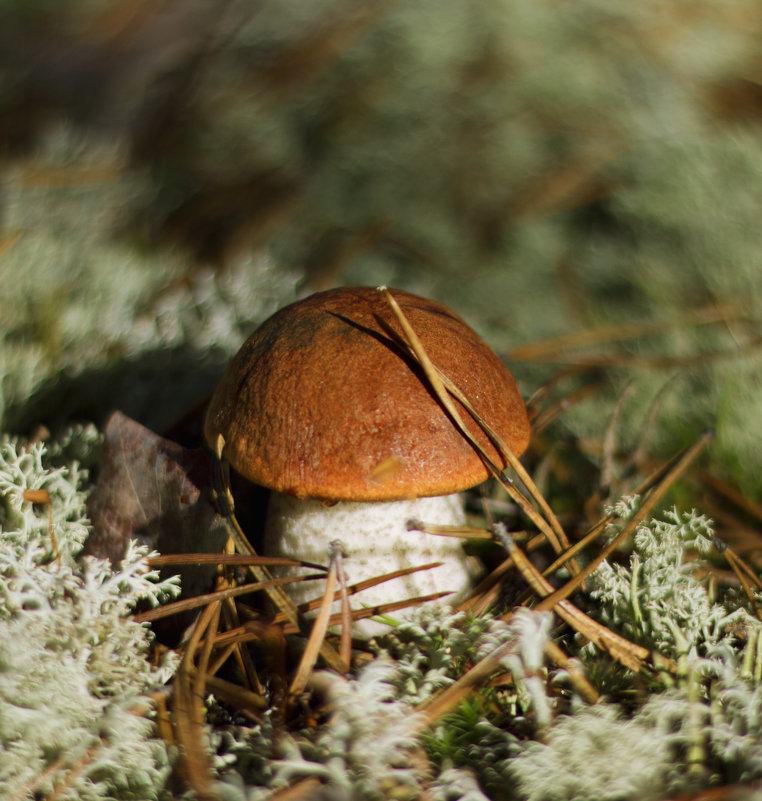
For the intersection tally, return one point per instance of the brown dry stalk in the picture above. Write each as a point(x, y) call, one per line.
point(231, 559)
point(118, 22)
point(223, 655)
point(488, 589)
point(743, 567)
point(434, 377)
point(256, 630)
point(301, 791)
point(75, 771)
point(29, 789)
point(225, 579)
point(226, 505)
point(443, 702)
point(558, 537)
point(163, 720)
point(73, 175)
point(608, 455)
point(461, 532)
point(646, 485)
point(353, 589)
point(648, 505)
point(732, 494)
point(565, 186)
point(439, 704)
point(381, 609)
point(233, 693)
point(188, 726)
point(628, 653)
point(556, 409)
point(554, 348)
point(200, 600)
point(317, 635)
point(660, 362)
point(345, 644)
point(42, 497)
point(188, 712)
point(746, 576)
point(576, 676)
point(445, 390)
point(8, 241)
point(205, 650)
point(241, 654)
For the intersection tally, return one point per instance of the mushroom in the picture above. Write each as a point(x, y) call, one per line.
point(325, 406)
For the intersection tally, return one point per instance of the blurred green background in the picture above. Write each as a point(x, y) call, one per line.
point(173, 171)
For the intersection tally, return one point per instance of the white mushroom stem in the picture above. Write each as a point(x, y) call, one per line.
point(377, 541)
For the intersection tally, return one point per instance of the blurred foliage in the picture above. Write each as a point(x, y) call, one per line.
point(541, 167)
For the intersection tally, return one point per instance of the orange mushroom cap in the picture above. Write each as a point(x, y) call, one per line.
point(324, 401)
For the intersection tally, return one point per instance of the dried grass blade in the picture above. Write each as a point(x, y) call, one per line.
point(439, 704)
point(188, 729)
point(554, 411)
point(353, 589)
point(659, 362)
point(549, 349)
point(650, 481)
point(241, 654)
point(234, 694)
point(73, 175)
point(628, 653)
point(9, 240)
point(461, 532)
point(591, 535)
point(395, 606)
point(445, 390)
point(487, 590)
point(609, 442)
point(205, 650)
point(225, 650)
point(381, 609)
point(75, 771)
point(366, 584)
point(42, 497)
point(305, 789)
point(188, 715)
point(740, 569)
point(434, 378)
point(233, 559)
point(744, 568)
point(199, 600)
point(225, 503)
point(732, 494)
point(163, 720)
point(28, 790)
point(576, 676)
point(345, 643)
point(648, 505)
point(640, 454)
point(317, 636)
point(557, 538)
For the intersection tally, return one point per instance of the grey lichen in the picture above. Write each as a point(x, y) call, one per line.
point(702, 725)
point(73, 677)
point(73, 666)
point(656, 599)
point(594, 754)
